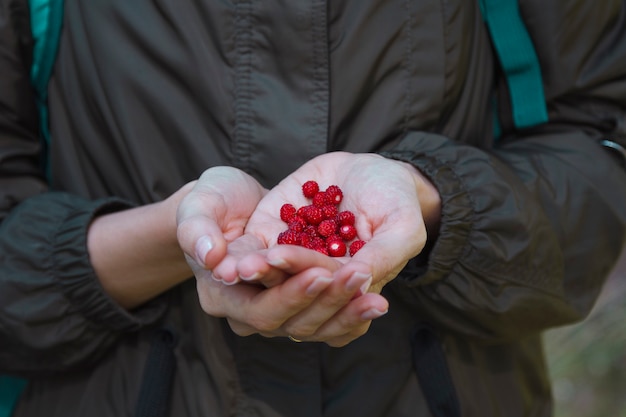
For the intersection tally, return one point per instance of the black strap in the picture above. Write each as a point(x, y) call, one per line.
point(154, 395)
point(433, 374)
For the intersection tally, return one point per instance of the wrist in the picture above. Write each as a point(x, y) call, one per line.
point(135, 253)
point(429, 198)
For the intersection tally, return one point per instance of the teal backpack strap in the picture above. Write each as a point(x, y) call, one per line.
point(518, 59)
point(46, 18)
point(10, 390)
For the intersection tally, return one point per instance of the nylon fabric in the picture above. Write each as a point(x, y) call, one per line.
point(519, 60)
point(10, 390)
point(46, 24)
point(146, 95)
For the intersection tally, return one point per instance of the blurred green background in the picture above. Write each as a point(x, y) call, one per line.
point(587, 360)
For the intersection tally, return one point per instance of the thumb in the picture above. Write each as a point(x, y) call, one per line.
point(202, 241)
point(199, 234)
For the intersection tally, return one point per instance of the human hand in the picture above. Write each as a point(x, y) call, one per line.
point(313, 296)
point(211, 220)
point(387, 198)
point(214, 213)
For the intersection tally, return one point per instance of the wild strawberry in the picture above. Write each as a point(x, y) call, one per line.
point(330, 211)
point(319, 199)
point(313, 214)
point(322, 249)
point(347, 232)
point(320, 226)
point(334, 195)
point(289, 237)
point(297, 223)
point(287, 211)
point(345, 217)
point(336, 247)
point(301, 211)
point(310, 230)
point(356, 246)
point(310, 188)
point(327, 228)
point(316, 243)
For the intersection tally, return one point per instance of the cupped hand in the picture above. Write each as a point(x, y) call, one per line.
point(392, 203)
point(390, 199)
point(215, 213)
point(279, 290)
point(211, 221)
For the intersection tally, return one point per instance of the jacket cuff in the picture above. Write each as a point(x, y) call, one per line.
point(427, 153)
point(77, 279)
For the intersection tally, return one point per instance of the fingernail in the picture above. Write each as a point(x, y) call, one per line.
point(366, 286)
point(318, 285)
point(203, 247)
point(359, 280)
point(372, 314)
point(252, 277)
point(278, 263)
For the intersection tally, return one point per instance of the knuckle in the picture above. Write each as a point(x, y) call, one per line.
point(239, 328)
point(263, 324)
point(299, 331)
point(184, 231)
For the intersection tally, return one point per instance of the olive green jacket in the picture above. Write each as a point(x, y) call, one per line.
point(145, 95)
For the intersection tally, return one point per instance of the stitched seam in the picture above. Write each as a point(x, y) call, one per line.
point(242, 133)
point(408, 65)
point(320, 94)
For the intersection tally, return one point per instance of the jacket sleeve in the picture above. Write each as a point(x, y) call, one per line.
point(53, 312)
point(20, 150)
point(531, 228)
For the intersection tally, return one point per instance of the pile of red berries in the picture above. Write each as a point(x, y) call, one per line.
point(320, 225)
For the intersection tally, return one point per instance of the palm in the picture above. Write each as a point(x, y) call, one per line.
point(380, 193)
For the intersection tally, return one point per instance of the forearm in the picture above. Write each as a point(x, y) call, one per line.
point(135, 252)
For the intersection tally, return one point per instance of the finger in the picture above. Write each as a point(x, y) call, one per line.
point(216, 298)
point(240, 248)
point(352, 321)
point(255, 268)
point(201, 239)
point(214, 212)
point(273, 266)
point(294, 259)
point(343, 289)
point(267, 310)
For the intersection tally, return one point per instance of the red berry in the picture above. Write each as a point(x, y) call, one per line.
point(310, 188)
point(345, 217)
point(347, 232)
point(287, 211)
point(336, 247)
point(297, 223)
point(327, 228)
point(334, 195)
point(289, 237)
point(330, 211)
point(320, 226)
point(305, 240)
point(319, 199)
point(301, 211)
point(315, 243)
point(310, 230)
point(321, 249)
point(313, 215)
point(356, 246)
